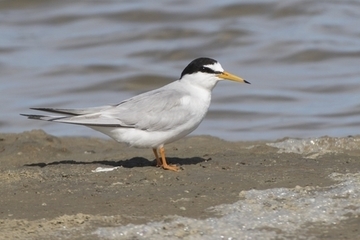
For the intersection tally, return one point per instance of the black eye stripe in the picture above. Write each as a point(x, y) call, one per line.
point(209, 70)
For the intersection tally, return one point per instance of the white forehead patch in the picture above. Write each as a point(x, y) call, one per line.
point(216, 67)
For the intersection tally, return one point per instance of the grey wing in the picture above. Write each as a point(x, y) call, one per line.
point(160, 109)
point(94, 119)
point(85, 116)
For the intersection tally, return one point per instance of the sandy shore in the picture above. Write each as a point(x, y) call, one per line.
point(49, 187)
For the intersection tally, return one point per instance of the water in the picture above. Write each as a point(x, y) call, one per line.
point(279, 213)
point(314, 147)
point(301, 57)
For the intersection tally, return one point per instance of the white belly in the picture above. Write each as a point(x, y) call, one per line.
point(141, 138)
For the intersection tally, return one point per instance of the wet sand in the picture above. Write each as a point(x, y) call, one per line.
point(49, 187)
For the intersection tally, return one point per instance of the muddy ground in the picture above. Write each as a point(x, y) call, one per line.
point(49, 188)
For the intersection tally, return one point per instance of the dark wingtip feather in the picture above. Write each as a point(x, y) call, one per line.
point(32, 116)
point(54, 110)
point(41, 109)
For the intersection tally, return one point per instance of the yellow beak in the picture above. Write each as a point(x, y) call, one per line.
point(229, 76)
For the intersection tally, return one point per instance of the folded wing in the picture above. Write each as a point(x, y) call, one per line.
point(156, 110)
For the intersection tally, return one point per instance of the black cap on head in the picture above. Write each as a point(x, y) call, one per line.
point(197, 66)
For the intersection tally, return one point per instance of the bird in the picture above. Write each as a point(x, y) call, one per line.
point(154, 118)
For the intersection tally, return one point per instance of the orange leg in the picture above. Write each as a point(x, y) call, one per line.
point(164, 163)
point(158, 160)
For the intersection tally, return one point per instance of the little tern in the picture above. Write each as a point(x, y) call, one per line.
point(155, 118)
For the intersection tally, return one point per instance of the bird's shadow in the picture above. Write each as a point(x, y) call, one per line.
point(129, 163)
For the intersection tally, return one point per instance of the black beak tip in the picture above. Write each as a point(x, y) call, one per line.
point(246, 82)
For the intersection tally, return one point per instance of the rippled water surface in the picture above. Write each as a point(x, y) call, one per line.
point(302, 58)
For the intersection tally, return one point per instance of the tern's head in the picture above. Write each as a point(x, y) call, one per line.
point(207, 72)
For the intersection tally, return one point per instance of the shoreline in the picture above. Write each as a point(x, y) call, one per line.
point(51, 181)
